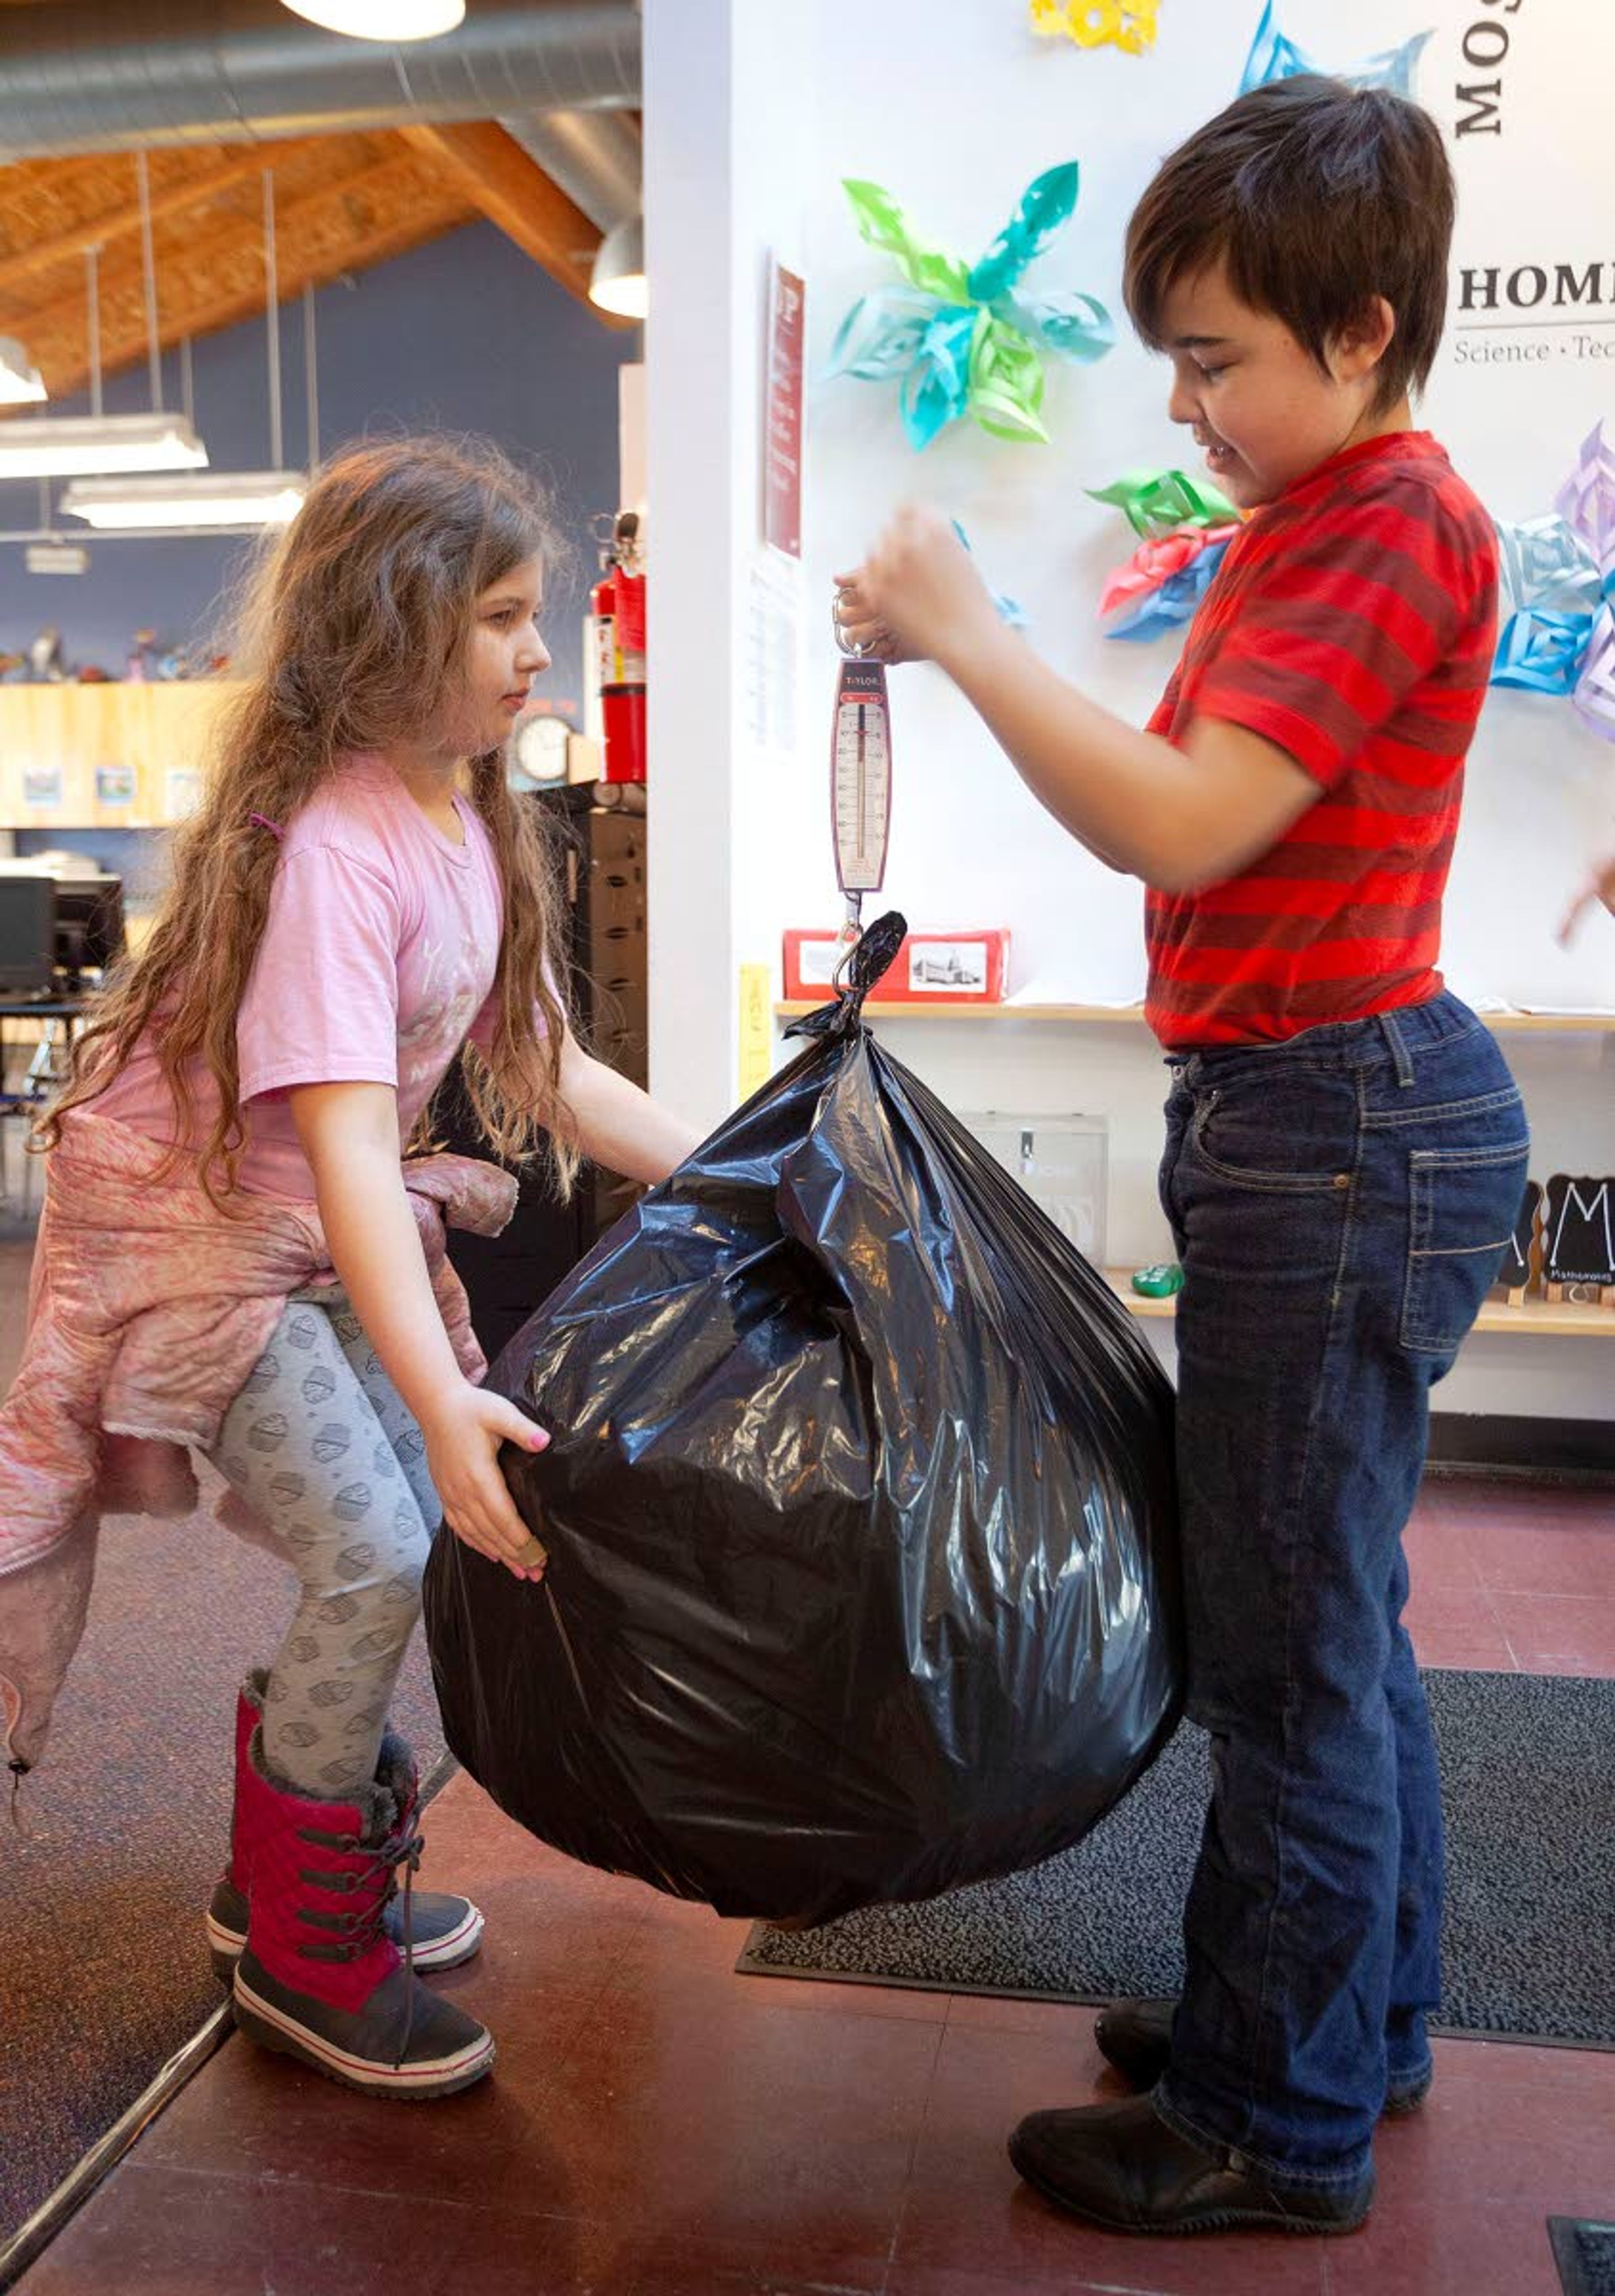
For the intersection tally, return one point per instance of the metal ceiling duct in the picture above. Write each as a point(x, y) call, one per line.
point(594, 156)
point(114, 75)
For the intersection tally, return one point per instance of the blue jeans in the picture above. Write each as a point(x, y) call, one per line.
point(1339, 1203)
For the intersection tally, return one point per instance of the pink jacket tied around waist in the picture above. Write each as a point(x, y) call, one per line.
point(148, 1311)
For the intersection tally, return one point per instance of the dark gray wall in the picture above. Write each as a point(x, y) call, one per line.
point(464, 335)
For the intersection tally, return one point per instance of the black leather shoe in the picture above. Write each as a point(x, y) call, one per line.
point(1121, 2166)
point(1136, 2037)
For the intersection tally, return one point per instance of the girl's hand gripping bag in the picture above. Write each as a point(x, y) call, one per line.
point(864, 1576)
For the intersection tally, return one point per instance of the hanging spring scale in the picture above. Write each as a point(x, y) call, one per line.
point(860, 781)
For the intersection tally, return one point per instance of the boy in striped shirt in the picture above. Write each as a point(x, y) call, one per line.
point(1346, 1151)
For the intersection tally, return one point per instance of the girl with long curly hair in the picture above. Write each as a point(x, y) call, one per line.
point(240, 1253)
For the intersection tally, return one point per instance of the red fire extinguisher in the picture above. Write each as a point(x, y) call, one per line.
point(618, 609)
point(603, 627)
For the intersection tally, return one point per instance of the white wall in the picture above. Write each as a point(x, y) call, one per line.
point(955, 108)
point(729, 118)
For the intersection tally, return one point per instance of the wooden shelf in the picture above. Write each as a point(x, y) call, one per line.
point(1551, 1024)
point(1132, 1014)
point(1533, 1319)
point(144, 731)
point(1119, 1280)
point(1555, 1024)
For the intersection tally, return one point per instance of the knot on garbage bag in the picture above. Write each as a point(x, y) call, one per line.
point(872, 955)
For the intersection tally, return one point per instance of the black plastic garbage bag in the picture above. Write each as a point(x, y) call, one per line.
point(860, 1511)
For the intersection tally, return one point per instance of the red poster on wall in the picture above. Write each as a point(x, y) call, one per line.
point(782, 441)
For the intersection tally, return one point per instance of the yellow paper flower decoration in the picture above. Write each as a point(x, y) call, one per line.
point(1127, 24)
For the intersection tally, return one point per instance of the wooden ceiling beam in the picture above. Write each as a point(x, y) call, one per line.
point(124, 277)
point(317, 237)
point(514, 192)
point(386, 194)
point(105, 231)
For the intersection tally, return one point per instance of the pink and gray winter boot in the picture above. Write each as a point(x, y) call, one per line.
point(320, 1980)
point(447, 1930)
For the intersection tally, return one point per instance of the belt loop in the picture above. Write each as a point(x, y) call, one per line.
point(1401, 1058)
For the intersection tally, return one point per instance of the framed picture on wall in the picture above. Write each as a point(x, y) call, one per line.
point(114, 784)
point(182, 787)
point(42, 785)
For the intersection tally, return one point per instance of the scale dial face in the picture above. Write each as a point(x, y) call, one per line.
point(860, 776)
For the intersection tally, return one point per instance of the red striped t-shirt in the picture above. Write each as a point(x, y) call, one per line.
point(1352, 623)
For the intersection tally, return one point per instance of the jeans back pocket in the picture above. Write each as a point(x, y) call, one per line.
point(1463, 1205)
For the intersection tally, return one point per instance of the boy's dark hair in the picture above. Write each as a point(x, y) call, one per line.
point(1318, 197)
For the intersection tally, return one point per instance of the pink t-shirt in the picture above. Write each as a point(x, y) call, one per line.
point(376, 963)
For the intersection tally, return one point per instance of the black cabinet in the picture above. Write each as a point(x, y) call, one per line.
point(602, 868)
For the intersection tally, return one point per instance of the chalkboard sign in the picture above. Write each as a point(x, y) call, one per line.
point(1578, 1233)
point(1516, 1273)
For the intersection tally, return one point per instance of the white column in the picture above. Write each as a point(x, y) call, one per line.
point(727, 118)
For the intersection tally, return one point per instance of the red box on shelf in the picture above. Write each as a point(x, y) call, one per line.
point(930, 968)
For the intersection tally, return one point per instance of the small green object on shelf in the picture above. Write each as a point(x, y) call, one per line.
point(1158, 1282)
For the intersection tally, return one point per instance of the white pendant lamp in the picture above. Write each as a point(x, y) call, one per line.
point(617, 280)
point(19, 379)
point(383, 20)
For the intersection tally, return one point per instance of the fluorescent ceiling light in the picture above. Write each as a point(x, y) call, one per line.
point(62, 445)
point(383, 20)
point(214, 498)
point(618, 281)
point(20, 381)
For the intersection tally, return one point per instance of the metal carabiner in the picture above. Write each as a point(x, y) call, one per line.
point(854, 653)
point(852, 934)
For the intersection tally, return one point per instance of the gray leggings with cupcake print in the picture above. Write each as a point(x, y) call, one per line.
point(320, 1446)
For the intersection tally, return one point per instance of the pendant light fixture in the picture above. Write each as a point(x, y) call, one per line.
point(57, 446)
point(185, 498)
point(213, 498)
point(64, 446)
point(383, 20)
point(19, 379)
point(617, 280)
